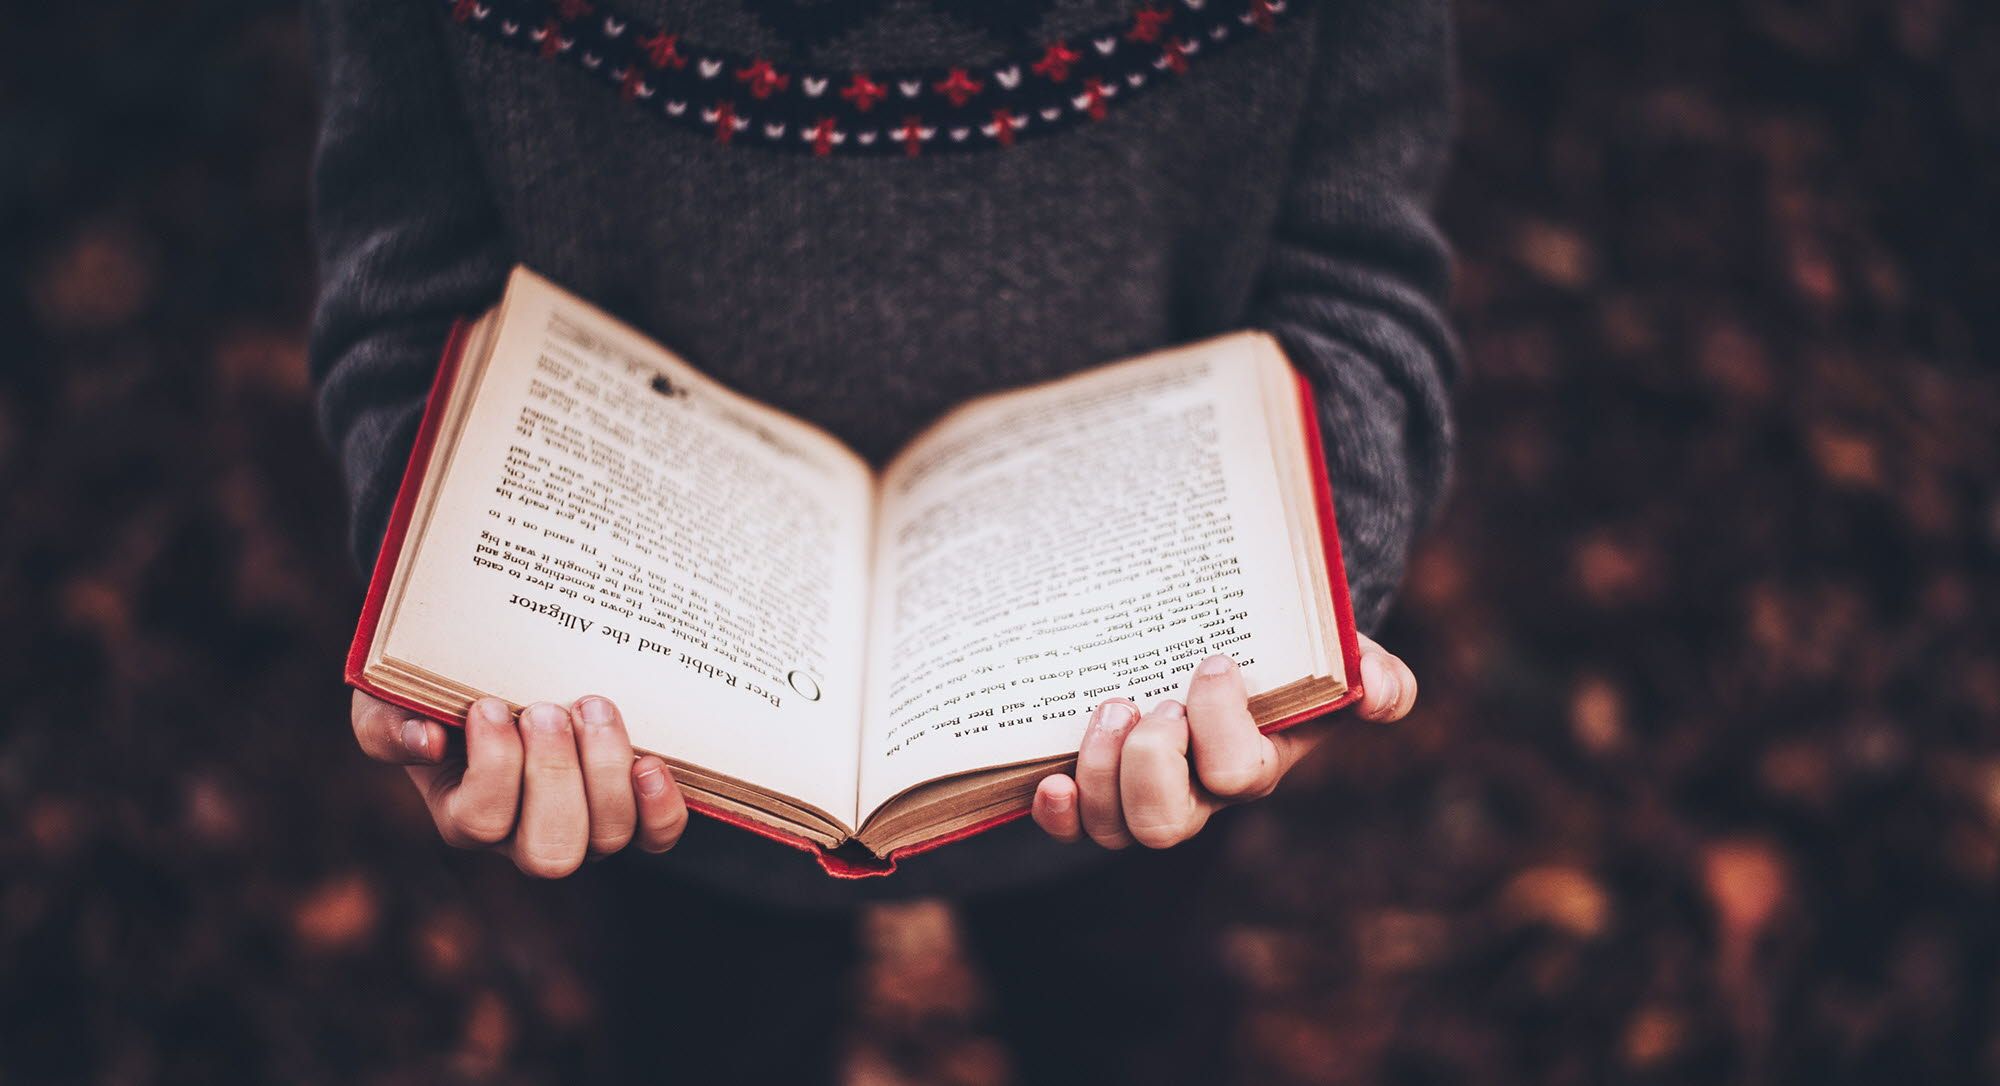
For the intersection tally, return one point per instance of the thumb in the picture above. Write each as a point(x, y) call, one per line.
point(1388, 686)
point(1232, 759)
point(388, 734)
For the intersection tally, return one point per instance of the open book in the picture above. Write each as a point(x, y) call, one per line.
point(863, 664)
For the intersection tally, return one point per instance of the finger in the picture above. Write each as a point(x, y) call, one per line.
point(554, 831)
point(1156, 784)
point(388, 734)
point(1097, 759)
point(607, 773)
point(474, 805)
point(663, 813)
point(1388, 686)
point(1234, 760)
point(1055, 808)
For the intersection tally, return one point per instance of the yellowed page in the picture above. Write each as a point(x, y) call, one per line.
point(614, 522)
point(1043, 550)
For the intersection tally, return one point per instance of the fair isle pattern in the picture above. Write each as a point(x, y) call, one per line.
point(744, 100)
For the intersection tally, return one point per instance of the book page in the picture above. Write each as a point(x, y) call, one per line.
point(613, 522)
point(1041, 551)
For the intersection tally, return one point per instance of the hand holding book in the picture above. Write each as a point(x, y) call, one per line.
point(586, 794)
point(546, 788)
point(1155, 778)
point(864, 661)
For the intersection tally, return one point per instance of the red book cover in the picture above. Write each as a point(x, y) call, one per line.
point(844, 863)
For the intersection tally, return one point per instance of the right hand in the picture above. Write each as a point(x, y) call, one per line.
point(561, 786)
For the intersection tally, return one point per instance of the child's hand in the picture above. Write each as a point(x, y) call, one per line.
point(1135, 780)
point(560, 785)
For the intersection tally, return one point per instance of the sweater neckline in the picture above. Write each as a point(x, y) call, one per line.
point(739, 99)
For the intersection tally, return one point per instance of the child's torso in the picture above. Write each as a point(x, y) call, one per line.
point(808, 258)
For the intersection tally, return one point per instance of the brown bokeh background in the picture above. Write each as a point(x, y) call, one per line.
point(1705, 784)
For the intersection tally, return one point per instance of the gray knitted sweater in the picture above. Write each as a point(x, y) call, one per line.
point(864, 211)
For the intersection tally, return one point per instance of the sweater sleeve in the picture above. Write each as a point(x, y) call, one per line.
point(1355, 282)
point(405, 232)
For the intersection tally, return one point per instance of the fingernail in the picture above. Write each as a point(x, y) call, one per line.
point(492, 710)
point(1171, 709)
point(1214, 665)
point(417, 738)
point(544, 717)
point(1379, 679)
point(1112, 716)
point(652, 782)
point(1060, 804)
point(596, 712)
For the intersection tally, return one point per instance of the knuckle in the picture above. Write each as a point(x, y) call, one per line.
point(606, 843)
point(502, 759)
point(474, 825)
point(674, 819)
point(1147, 748)
point(666, 835)
point(609, 767)
point(1093, 768)
point(436, 795)
point(1233, 717)
point(547, 863)
point(1096, 785)
point(1114, 842)
point(1159, 833)
point(477, 832)
point(545, 764)
point(1241, 719)
point(1235, 781)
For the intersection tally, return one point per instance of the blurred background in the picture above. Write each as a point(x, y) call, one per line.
point(1704, 786)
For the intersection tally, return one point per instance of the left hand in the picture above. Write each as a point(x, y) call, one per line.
point(1135, 779)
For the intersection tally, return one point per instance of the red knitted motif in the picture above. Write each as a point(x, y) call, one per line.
point(1147, 24)
point(747, 99)
point(958, 87)
point(1055, 63)
point(764, 80)
point(864, 92)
